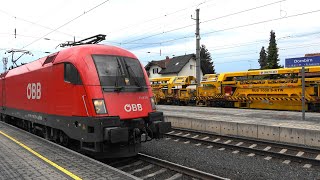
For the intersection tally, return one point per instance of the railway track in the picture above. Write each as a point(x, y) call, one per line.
point(148, 167)
point(288, 153)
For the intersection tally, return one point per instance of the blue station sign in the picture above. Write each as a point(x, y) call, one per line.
point(303, 61)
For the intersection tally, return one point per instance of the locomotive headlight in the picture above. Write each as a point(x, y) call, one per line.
point(99, 106)
point(153, 104)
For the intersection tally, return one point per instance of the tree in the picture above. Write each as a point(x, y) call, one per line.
point(206, 61)
point(263, 58)
point(273, 56)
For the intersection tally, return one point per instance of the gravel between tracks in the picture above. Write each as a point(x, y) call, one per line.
point(226, 164)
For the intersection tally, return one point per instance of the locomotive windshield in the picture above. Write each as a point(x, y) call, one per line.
point(118, 73)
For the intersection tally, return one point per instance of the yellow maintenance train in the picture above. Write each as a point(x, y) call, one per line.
point(279, 89)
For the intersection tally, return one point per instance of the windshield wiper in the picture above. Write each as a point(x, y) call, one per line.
point(118, 88)
point(136, 81)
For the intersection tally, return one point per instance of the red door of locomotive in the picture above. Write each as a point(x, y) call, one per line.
point(70, 96)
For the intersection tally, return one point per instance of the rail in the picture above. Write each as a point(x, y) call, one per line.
point(287, 151)
point(179, 168)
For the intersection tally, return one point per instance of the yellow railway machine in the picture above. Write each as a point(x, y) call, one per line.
point(279, 89)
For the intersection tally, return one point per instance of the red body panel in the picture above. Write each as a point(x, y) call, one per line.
point(127, 105)
point(62, 98)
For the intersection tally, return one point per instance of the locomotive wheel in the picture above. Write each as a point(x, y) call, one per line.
point(63, 139)
point(45, 133)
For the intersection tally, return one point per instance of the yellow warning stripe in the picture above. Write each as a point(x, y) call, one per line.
point(42, 157)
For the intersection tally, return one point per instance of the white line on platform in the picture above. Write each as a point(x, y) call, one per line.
point(251, 155)
point(318, 157)
point(209, 147)
point(170, 132)
point(176, 140)
point(227, 142)
point(239, 144)
point(221, 149)
point(167, 138)
point(187, 142)
point(199, 144)
point(178, 133)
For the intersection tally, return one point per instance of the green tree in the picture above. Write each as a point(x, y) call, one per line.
point(206, 61)
point(263, 58)
point(273, 56)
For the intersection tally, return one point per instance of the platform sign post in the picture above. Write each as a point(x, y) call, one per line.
point(303, 92)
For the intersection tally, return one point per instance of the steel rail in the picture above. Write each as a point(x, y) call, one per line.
point(297, 147)
point(253, 150)
point(179, 168)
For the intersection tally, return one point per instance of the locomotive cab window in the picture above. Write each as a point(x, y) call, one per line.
point(118, 73)
point(71, 74)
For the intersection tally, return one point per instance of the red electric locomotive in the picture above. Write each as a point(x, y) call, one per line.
point(98, 95)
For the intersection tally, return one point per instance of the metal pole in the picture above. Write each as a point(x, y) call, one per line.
point(198, 66)
point(303, 92)
point(5, 62)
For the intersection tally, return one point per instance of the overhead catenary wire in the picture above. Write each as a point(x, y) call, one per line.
point(243, 11)
point(66, 23)
point(230, 46)
point(31, 22)
point(29, 36)
point(241, 53)
point(156, 18)
point(260, 22)
point(159, 17)
point(190, 25)
point(235, 27)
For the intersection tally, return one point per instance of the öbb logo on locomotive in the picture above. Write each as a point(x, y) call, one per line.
point(34, 90)
point(132, 107)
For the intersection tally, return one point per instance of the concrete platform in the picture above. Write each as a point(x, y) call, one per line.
point(281, 126)
point(26, 156)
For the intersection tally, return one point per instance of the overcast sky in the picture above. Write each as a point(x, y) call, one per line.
point(233, 31)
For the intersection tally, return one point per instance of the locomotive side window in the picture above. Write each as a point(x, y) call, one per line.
point(71, 74)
